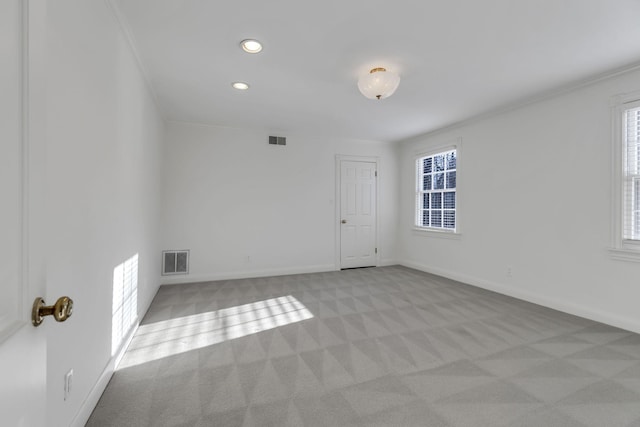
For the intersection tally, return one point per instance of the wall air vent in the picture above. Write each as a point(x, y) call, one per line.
point(277, 140)
point(175, 262)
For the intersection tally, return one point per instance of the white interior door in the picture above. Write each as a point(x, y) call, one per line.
point(357, 214)
point(22, 347)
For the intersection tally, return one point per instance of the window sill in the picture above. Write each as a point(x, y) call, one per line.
point(425, 232)
point(624, 254)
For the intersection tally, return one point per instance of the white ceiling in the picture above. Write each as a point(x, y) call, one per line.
point(457, 58)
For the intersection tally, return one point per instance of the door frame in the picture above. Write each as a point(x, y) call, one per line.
point(338, 212)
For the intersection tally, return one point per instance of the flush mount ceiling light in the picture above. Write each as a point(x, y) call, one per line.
point(240, 85)
point(378, 83)
point(251, 46)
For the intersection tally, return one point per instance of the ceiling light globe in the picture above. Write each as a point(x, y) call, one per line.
point(251, 46)
point(240, 85)
point(378, 83)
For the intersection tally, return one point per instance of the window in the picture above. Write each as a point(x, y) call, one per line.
point(436, 191)
point(625, 237)
point(631, 173)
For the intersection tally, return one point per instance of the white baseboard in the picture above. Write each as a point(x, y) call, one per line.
point(577, 310)
point(92, 399)
point(190, 278)
point(387, 262)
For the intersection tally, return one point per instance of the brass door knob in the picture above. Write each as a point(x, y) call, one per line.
point(61, 310)
point(344, 221)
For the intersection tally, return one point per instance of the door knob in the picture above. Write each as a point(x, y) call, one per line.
point(61, 310)
point(344, 221)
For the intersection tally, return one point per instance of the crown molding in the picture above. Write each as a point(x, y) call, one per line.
point(534, 99)
point(128, 35)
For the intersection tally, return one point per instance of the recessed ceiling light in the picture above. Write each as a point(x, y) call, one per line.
point(251, 46)
point(240, 85)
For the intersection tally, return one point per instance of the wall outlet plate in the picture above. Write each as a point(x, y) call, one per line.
point(68, 377)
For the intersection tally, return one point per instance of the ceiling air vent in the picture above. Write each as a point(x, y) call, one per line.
point(175, 262)
point(277, 140)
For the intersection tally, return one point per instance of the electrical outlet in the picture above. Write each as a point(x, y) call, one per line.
point(67, 383)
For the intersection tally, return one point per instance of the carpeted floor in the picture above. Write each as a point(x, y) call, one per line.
point(384, 346)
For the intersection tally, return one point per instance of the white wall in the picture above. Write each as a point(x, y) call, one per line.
point(103, 193)
point(229, 195)
point(535, 195)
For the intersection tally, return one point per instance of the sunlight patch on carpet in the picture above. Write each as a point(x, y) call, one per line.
point(175, 336)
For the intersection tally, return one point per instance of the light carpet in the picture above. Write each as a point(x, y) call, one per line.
point(386, 346)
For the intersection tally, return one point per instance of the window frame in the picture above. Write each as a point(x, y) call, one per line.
point(621, 248)
point(433, 150)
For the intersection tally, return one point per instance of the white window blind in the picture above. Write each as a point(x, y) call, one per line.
point(436, 191)
point(631, 172)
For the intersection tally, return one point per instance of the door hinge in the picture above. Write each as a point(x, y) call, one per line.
point(376, 174)
point(376, 250)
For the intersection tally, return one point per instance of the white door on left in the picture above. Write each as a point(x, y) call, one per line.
point(22, 347)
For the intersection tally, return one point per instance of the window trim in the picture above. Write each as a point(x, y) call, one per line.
point(454, 144)
point(620, 249)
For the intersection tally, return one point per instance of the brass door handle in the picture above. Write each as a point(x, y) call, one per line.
point(61, 310)
point(344, 221)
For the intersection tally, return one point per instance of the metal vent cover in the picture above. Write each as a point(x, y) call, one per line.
point(277, 140)
point(175, 262)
